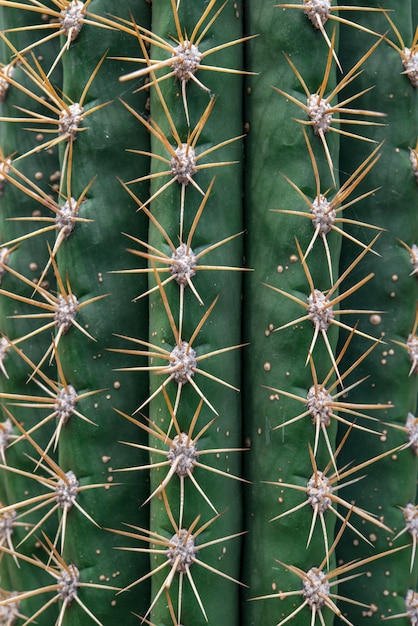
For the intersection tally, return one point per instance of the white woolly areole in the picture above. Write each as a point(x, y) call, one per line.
point(314, 588)
point(6, 71)
point(412, 431)
point(71, 18)
point(70, 120)
point(411, 605)
point(7, 521)
point(183, 264)
point(183, 165)
point(410, 63)
point(317, 11)
point(413, 157)
point(324, 216)
point(4, 169)
point(318, 403)
point(66, 311)
point(320, 313)
point(9, 613)
point(68, 584)
point(65, 402)
point(414, 257)
point(186, 60)
point(4, 347)
point(4, 253)
point(412, 347)
point(67, 490)
point(65, 219)
point(183, 454)
point(181, 551)
point(410, 514)
point(319, 492)
point(319, 112)
point(182, 362)
point(6, 431)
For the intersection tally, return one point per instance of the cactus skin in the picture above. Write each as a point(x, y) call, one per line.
point(274, 145)
point(112, 212)
point(222, 217)
point(75, 354)
point(385, 293)
point(15, 141)
point(249, 308)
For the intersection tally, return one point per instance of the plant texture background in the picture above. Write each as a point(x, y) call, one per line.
point(208, 312)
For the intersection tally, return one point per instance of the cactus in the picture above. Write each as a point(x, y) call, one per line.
point(208, 312)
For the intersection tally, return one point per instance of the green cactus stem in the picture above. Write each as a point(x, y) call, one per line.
point(208, 312)
point(390, 364)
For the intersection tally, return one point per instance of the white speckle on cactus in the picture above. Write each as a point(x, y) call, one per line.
point(375, 319)
point(70, 120)
point(71, 19)
point(317, 11)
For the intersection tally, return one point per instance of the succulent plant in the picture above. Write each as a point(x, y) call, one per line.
point(208, 312)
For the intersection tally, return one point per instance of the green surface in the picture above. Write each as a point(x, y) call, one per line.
point(245, 212)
